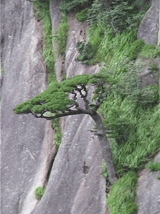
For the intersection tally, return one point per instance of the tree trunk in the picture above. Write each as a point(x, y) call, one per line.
point(106, 149)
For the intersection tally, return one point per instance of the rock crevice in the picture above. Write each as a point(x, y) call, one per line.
point(74, 182)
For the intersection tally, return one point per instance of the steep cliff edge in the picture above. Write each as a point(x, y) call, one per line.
point(73, 189)
point(148, 192)
point(24, 140)
point(27, 142)
point(76, 184)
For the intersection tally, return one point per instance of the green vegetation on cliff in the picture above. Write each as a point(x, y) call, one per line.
point(130, 110)
point(61, 99)
point(153, 166)
point(122, 195)
point(61, 36)
point(42, 13)
point(39, 192)
point(131, 113)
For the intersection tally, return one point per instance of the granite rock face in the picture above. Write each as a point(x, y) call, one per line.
point(149, 28)
point(76, 184)
point(73, 179)
point(148, 192)
point(23, 136)
point(27, 142)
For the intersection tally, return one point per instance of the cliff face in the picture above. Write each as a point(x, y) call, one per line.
point(27, 142)
point(23, 137)
point(148, 191)
point(149, 28)
point(75, 184)
point(73, 189)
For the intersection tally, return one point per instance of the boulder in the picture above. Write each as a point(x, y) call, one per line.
point(149, 26)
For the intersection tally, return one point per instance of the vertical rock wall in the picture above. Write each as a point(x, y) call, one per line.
point(149, 27)
point(23, 136)
point(76, 184)
point(148, 191)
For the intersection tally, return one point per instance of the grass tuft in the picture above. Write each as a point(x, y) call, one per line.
point(82, 15)
point(121, 198)
point(153, 166)
point(150, 51)
point(132, 119)
point(43, 13)
point(58, 133)
point(39, 192)
point(61, 36)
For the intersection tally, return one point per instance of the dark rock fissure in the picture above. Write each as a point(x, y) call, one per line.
point(22, 56)
point(50, 165)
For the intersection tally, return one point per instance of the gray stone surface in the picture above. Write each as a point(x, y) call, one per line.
point(24, 77)
point(148, 77)
point(56, 19)
point(27, 143)
point(149, 26)
point(76, 184)
point(70, 189)
point(148, 193)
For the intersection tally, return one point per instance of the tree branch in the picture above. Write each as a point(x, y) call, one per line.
point(63, 114)
point(82, 88)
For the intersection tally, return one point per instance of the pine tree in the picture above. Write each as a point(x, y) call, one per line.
point(71, 97)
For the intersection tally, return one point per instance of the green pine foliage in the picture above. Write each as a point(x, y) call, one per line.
point(130, 111)
point(54, 99)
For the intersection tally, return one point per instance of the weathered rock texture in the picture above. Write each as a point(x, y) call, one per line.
point(76, 184)
point(148, 192)
point(23, 136)
point(149, 27)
